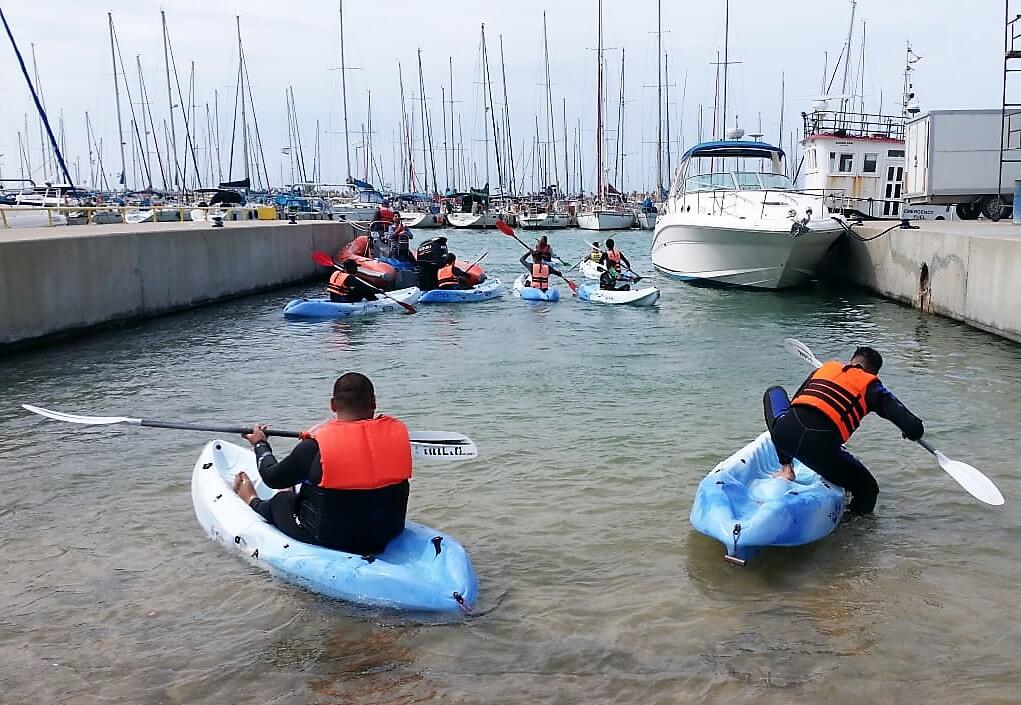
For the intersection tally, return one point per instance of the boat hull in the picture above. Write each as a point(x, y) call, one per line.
point(545, 221)
point(731, 254)
point(646, 221)
point(423, 220)
point(606, 220)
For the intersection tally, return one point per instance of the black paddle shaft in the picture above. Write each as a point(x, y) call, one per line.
point(239, 430)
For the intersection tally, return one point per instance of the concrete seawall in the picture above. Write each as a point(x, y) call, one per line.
point(967, 271)
point(63, 280)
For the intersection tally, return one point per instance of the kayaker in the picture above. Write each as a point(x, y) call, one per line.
point(826, 410)
point(353, 473)
point(544, 249)
point(595, 254)
point(613, 256)
point(450, 276)
point(608, 279)
point(346, 287)
point(539, 270)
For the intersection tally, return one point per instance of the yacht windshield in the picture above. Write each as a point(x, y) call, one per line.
point(709, 182)
point(754, 181)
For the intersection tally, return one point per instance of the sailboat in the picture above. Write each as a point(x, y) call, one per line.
point(606, 211)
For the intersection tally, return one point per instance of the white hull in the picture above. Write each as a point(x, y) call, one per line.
point(545, 221)
point(423, 220)
point(481, 220)
point(646, 221)
point(361, 214)
point(730, 251)
point(606, 220)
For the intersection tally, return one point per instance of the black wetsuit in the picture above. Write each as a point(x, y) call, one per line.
point(806, 433)
point(355, 521)
point(360, 291)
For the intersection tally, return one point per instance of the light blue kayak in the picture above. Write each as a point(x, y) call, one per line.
point(740, 505)
point(528, 293)
point(422, 570)
point(324, 308)
point(489, 289)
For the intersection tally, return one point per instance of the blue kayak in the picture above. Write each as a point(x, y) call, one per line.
point(422, 570)
point(324, 308)
point(740, 505)
point(527, 293)
point(489, 289)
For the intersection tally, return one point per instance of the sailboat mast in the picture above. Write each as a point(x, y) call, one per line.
point(659, 98)
point(567, 175)
point(599, 107)
point(669, 173)
point(847, 59)
point(488, 86)
point(507, 120)
point(117, 102)
point(343, 90)
point(549, 105)
point(726, 68)
point(425, 154)
point(170, 97)
point(241, 87)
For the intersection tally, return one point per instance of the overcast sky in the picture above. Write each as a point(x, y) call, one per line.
point(296, 43)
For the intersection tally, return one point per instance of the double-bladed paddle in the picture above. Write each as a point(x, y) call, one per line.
point(323, 259)
point(978, 485)
point(507, 230)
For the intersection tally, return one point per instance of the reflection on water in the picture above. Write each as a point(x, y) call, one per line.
point(595, 425)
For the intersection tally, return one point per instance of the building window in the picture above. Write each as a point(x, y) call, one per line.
point(895, 153)
point(846, 163)
point(871, 163)
point(889, 173)
point(900, 173)
point(833, 162)
point(811, 160)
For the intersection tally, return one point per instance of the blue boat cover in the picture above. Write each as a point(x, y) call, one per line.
point(734, 148)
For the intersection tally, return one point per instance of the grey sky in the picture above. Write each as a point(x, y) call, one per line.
point(296, 43)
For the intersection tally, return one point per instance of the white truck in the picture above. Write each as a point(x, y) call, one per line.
point(953, 157)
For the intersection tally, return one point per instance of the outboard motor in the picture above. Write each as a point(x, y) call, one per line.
point(430, 256)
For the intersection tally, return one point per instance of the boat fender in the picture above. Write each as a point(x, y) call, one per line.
point(437, 540)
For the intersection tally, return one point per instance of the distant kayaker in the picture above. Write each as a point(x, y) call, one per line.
point(346, 287)
point(544, 249)
point(595, 253)
point(353, 473)
point(613, 256)
point(539, 270)
point(826, 410)
point(450, 276)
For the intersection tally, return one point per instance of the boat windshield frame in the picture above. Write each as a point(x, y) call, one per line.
point(732, 181)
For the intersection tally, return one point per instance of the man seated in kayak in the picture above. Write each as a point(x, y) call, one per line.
point(450, 276)
point(608, 279)
point(400, 239)
point(353, 473)
point(544, 249)
point(826, 410)
point(613, 256)
point(539, 270)
point(346, 287)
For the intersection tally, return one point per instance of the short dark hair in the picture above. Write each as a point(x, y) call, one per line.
point(353, 392)
point(350, 265)
point(450, 258)
point(872, 359)
point(609, 242)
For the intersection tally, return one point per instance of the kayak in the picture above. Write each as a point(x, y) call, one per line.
point(743, 507)
point(530, 294)
point(590, 270)
point(490, 289)
point(324, 308)
point(634, 297)
point(420, 570)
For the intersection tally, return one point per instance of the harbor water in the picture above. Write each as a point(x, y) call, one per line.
point(595, 424)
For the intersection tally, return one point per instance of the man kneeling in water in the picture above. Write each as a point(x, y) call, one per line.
point(353, 474)
point(825, 411)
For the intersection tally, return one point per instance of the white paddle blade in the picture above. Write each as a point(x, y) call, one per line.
point(798, 348)
point(77, 418)
point(442, 446)
point(978, 485)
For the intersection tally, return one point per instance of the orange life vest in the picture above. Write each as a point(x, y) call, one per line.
point(613, 256)
point(338, 284)
point(386, 215)
point(540, 277)
point(363, 455)
point(546, 251)
point(446, 279)
point(838, 390)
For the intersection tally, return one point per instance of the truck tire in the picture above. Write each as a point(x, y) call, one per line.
point(995, 208)
point(966, 211)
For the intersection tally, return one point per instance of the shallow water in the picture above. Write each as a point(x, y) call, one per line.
point(595, 425)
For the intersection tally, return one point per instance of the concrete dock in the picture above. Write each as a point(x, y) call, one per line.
point(969, 271)
point(63, 280)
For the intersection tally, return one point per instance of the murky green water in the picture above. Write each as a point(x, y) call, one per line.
point(596, 425)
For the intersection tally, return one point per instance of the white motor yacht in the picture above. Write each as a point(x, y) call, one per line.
point(729, 224)
point(363, 207)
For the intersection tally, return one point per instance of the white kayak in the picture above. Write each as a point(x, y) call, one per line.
point(633, 297)
point(420, 570)
point(528, 293)
point(324, 308)
point(591, 270)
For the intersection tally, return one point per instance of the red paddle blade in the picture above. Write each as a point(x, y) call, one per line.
point(572, 285)
point(408, 307)
point(321, 258)
point(502, 226)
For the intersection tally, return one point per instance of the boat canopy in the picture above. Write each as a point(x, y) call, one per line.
point(734, 148)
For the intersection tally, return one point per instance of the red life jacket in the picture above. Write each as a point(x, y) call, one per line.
point(838, 390)
point(338, 284)
point(446, 279)
point(386, 215)
point(363, 455)
point(540, 277)
point(545, 251)
point(613, 256)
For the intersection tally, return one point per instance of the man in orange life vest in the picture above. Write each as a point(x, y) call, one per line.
point(539, 270)
point(346, 287)
point(613, 257)
point(353, 474)
point(825, 411)
point(451, 277)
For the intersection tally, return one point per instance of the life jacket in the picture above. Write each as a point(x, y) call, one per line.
point(338, 284)
point(386, 215)
point(540, 277)
point(613, 257)
point(838, 390)
point(446, 279)
point(596, 256)
point(363, 455)
point(545, 251)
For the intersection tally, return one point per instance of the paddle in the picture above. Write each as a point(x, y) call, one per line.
point(480, 258)
point(427, 445)
point(323, 259)
point(507, 230)
point(971, 479)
